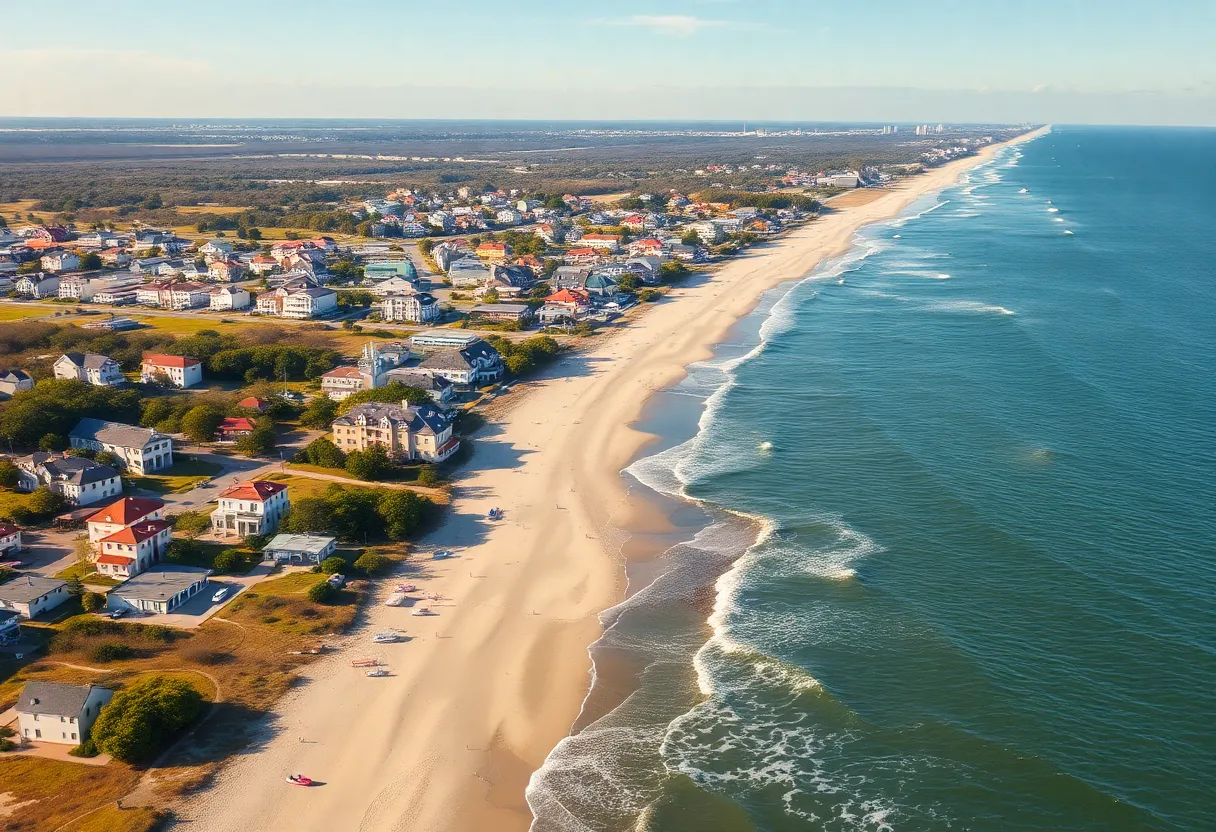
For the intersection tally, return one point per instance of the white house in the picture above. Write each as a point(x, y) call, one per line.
point(216, 248)
point(300, 304)
point(59, 713)
point(302, 548)
point(468, 271)
point(250, 508)
point(31, 595)
point(158, 591)
point(139, 450)
point(133, 549)
point(96, 369)
point(10, 540)
point(414, 307)
point(60, 261)
point(228, 298)
point(477, 363)
point(122, 514)
point(180, 371)
point(79, 287)
point(341, 382)
point(78, 480)
point(14, 381)
point(39, 286)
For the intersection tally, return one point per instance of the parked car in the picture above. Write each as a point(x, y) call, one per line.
point(219, 596)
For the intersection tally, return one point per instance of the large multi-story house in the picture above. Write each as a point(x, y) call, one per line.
point(59, 713)
point(139, 450)
point(250, 508)
point(227, 298)
point(341, 382)
point(173, 370)
point(122, 514)
point(96, 369)
point(607, 242)
point(416, 432)
point(38, 286)
point(77, 480)
point(414, 307)
point(174, 294)
point(298, 303)
point(133, 549)
point(472, 365)
point(60, 261)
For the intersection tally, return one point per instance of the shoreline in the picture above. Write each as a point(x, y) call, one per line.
point(485, 690)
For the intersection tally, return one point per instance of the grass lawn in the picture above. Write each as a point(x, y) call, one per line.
point(10, 500)
point(52, 793)
point(87, 574)
point(183, 476)
point(17, 311)
point(282, 604)
point(303, 486)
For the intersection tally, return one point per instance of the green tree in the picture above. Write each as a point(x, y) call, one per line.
point(320, 592)
point(201, 422)
point(230, 560)
point(309, 515)
point(90, 261)
point(322, 452)
point(53, 442)
point(8, 474)
point(320, 413)
point(372, 563)
point(428, 477)
point(403, 513)
point(92, 601)
point(333, 565)
point(259, 442)
point(372, 464)
point(44, 502)
point(143, 718)
point(394, 393)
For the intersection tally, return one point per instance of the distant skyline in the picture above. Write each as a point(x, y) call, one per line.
point(874, 60)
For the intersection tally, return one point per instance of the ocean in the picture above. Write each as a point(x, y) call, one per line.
point(944, 528)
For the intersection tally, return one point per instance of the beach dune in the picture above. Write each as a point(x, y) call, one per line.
point(482, 691)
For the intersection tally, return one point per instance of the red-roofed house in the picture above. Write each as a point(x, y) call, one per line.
point(253, 403)
point(492, 252)
point(606, 242)
point(582, 256)
point(10, 540)
point(123, 513)
point(565, 305)
point(176, 370)
point(647, 246)
point(249, 508)
point(133, 549)
point(232, 428)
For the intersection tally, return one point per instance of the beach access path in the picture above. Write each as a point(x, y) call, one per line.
point(481, 692)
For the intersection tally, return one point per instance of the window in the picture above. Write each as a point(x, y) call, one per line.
point(73, 735)
point(38, 733)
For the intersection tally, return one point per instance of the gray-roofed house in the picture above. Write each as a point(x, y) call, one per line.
point(98, 370)
point(14, 381)
point(140, 450)
point(301, 548)
point(32, 595)
point(55, 712)
point(418, 432)
point(440, 389)
point(79, 481)
point(478, 363)
point(519, 313)
point(158, 590)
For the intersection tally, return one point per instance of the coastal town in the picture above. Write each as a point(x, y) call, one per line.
point(234, 452)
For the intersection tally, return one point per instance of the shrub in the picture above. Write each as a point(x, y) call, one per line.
point(92, 601)
point(258, 443)
point(320, 412)
point(145, 717)
point(372, 464)
point(320, 592)
point(86, 749)
point(8, 474)
point(428, 477)
point(322, 452)
point(230, 560)
point(333, 564)
point(649, 295)
point(110, 651)
point(372, 563)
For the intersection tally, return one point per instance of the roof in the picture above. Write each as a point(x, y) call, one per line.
point(116, 560)
point(114, 433)
point(343, 372)
point(230, 423)
point(179, 361)
point(71, 469)
point(27, 588)
point(252, 402)
point(500, 309)
point(138, 532)
point(419, 418)
point(14, 375)
point(127, 510)
point(87, 360)
point(413, 378)
point(568, 296)
point(160, 585)
point(313, 544)
point(53, 698)
point(253, 490)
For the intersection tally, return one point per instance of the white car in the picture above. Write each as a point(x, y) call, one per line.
point(219, 596)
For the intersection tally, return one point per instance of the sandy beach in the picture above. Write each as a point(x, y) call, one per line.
point(482, 691)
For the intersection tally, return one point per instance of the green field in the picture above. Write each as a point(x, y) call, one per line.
point(183, 476)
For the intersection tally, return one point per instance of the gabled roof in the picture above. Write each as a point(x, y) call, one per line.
point(87, 360)
point(138, 533)
point(53, 698)
point(178, 361)
point(127, 510)
point(234, 423)
point(114, 433)
point(256, 490)
point(116, 560)
point(252, 403)
point(76, 470)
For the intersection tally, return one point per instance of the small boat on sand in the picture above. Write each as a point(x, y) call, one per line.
point(379, 671)
point(423, 611)
point(442, 554)
point(406, 588)
point(384, 638)
point(299, 780)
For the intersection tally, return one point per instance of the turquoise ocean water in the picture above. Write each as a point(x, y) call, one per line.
point(980, 451)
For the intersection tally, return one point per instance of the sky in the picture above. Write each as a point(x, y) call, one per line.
point(1062, 61)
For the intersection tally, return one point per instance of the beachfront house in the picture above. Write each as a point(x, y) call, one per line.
point(14, 381)
point(299, 548)
point(31, 595)
point(472, 365)
point(59, 713)
point(161, 590)
point(411, 432)
point(413, 307)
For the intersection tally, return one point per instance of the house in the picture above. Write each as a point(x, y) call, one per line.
point(99, 239)
point(117, 295)
point(521, 277)
point(225, 271)
point(39, 286)
point(174, 294)
point(180, 371)
point(468, 272)
point(399, 285)
point(14, 381)
point(59, 713)
point(341, 382)
point(10, 540)
point(216, 248)
point(227, 298)
point(443, 338)
point(509, 216)
point(582, 255)
point(384, 269)
point(262, 264)
point(250, 508)
point(96, 369)
point(648, 246)
point(519, 313)
point(160, 591)
point(123, 514)
point(569, 277)
point(79, 287)
point(298, 303)
point(139, 450)
point(474, 364)
point(604, 242)
point(418, 432)
point(440, 389)
point(708, 232)
point(60, 261)
point(414, 307)
point(133, 549)
point(299, 548)
point(232, 428)
point(565, 305)
point(115, 258)
point(493, 252)
point(32, 595)
point(79, 481)
point(600, 285)
point(253, 403)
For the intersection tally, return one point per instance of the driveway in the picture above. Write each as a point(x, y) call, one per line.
point(198, 609)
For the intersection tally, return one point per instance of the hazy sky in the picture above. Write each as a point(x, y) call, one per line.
point(1109, 61)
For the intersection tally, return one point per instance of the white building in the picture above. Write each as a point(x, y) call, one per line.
point(31, 595)
point(341, 382)
point(60, 261)
point(79, 287)
point(133, 549)
point(77, 480)
point(227, 298)
point(301, 548)
point(299, 304)
point(473, 365)
point(14, 381)
point(96, 369)
point(158, 591)
point(139, 450)
point(10, 541)
point(179, 371)
point(59, 713)
point(415, 307)
point(250, 508)
point(122, 514)
point(39, 286)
